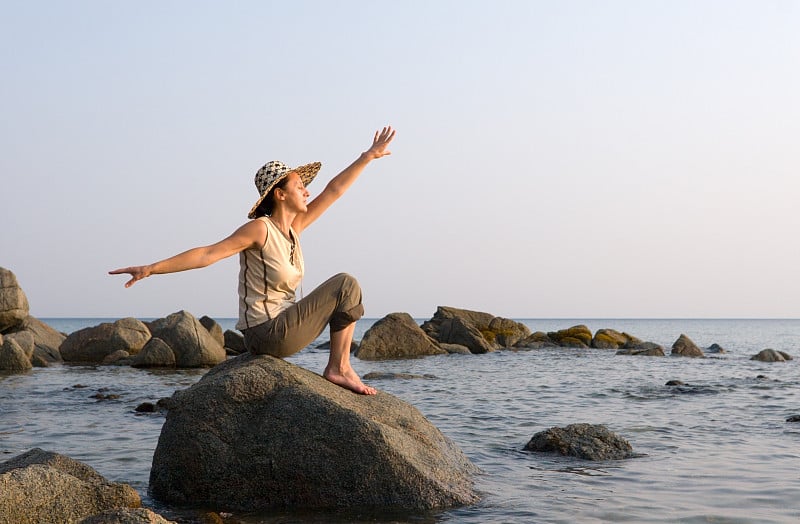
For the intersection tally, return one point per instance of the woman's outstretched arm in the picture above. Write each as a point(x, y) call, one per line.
point(252, 234)
point(341, 182)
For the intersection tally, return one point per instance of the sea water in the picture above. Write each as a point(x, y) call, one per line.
point(717, 449)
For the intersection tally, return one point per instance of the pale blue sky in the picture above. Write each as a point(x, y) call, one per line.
point(553, 159)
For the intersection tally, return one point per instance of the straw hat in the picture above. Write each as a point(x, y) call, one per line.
point(273, 172)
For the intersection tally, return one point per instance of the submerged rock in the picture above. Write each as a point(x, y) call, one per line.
point(257, 432)
point(396, 335)
point(771, 355)
point(40, 486)
point(586, 441)
point(646, 349)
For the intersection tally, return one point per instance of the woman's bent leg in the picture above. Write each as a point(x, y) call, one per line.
point(339, 371)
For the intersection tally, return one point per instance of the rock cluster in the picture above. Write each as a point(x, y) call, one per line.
point(258, 433)
point(453, 330)
point(25, 341)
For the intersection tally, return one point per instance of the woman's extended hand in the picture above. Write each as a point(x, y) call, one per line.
point(380, 142)
point(137, 272)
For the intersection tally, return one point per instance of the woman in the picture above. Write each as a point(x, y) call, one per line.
point(271, 267)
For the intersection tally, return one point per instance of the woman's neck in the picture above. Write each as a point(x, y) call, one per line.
point(282, 221)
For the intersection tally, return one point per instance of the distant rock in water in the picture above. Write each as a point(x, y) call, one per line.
point(685, 347)
point(715, 349)
point(613, 339)
point(257, 433)
point(41, 486)
point(478, 331)
point(793, 418)
point(396, 335)
point(191, 342)
point(646, 349)
point(771, 355)
point(93, 344)
point(586, 441)
point(675, 383)
point(573, 337)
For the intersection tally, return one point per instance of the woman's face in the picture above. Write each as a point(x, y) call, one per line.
point(295, 193)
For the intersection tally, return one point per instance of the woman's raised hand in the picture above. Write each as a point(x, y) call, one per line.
point(380, 142)
point(136, 272)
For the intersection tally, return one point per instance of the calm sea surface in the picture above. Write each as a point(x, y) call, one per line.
point(716, 450)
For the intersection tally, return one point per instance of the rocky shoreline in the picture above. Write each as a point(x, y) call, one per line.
point(257, 433)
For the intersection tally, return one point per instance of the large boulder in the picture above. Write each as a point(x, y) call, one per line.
point(460, 332)
point(40, 486)
point(94, 344)
point(573, 337)
point(396, 335)
point(685, 347)
point(586, 441)
point(258, 432)
point(771, 355)
point(193, 345)
point(13, 302)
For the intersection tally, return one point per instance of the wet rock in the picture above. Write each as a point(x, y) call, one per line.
point(771, 355)
point(116, 358)
point(675, 383)
point(46, 341)
point(643, 349)
point(127, 516)
point(458, 331)
point(13, 302)
point(213, 328)
point(685, 347)
point(715, 349)
point(40, 486)
point(455, 349)
point(93, 344)
point(234, 342)
point(586, 441)
point(290, 438)
point(793, 418)
point(573, 337)
point(155, 354)
point(191, 343)
point(396, 335)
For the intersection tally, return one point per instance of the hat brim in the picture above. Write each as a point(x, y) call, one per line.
point(307, 173)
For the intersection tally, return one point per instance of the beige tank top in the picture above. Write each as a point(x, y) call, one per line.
point(268, 277)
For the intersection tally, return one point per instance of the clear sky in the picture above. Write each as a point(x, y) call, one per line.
point(558, 159)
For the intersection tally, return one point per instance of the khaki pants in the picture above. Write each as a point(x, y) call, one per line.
point(336, 302)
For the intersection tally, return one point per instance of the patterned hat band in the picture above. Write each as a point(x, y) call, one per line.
point(273, 172)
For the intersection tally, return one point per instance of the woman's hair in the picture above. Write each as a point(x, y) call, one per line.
point(268, 204)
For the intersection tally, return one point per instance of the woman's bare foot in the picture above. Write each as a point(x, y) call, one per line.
point(348, 380)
